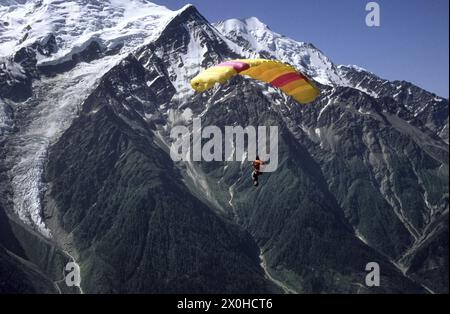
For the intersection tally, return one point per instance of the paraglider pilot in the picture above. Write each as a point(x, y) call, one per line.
point(257, 163)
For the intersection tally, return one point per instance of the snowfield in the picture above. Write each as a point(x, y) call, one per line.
point(76, 24)
point(56, 100)
point(303, 56)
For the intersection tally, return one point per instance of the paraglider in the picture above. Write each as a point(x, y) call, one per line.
point(273, 72)
point(276, 73)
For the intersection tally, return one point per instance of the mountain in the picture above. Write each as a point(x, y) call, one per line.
point(89, 92)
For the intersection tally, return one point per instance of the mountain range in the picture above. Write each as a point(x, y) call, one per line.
point(89, 91)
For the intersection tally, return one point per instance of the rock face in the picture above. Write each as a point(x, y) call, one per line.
point(86, 174)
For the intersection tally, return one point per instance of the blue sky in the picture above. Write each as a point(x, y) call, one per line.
point(411, 43)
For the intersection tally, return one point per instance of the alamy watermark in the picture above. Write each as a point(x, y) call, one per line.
point(237, 144)
point(373, 277)
point(73, 275)
point(373, 17)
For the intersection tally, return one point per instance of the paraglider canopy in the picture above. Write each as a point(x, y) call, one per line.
point(276, 73)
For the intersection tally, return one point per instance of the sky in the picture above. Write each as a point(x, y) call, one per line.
point(410, 44)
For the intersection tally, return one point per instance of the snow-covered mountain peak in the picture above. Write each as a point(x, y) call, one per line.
point(242, 25)
point(117, 27)
point(254, 35)
point(354, 67)
point(77, 23)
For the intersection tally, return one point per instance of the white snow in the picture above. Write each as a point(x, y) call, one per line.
point(57, 100)
point(362, 111)
point(187, 114)
point(303, 56)
point(77, 23)
point(150, 83)
point(324, 108)
point(364, 90)
point(361, 237)
point(187, 65)
point(355, 67)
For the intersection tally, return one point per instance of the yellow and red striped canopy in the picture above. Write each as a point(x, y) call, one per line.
point(276, 73)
